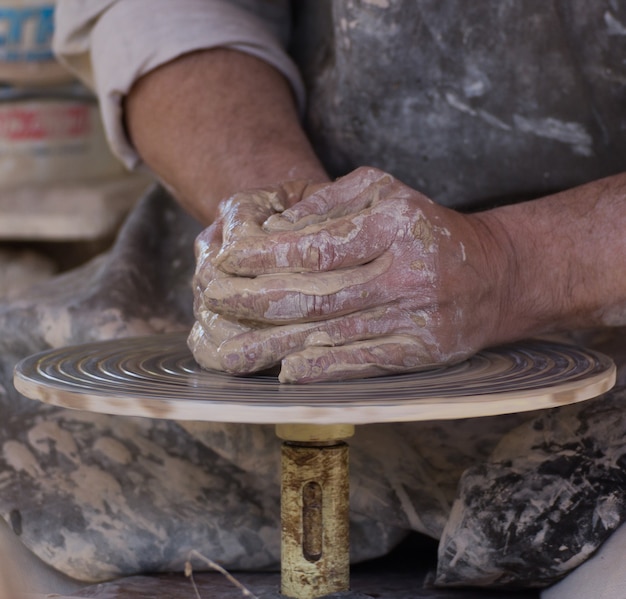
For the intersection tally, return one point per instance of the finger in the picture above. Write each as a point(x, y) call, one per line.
point(208, 333)
point(261, 348)
point(244, 213)
point(361, 359)
point(207, 241)
point(277, 299)
point(342, 242)
point(219, 329)
point(203, 350)
point(348, 195)
point(207, 245)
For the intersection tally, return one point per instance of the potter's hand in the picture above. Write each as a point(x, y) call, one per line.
point(210, 329)
point(241, 216)
point(365, 277)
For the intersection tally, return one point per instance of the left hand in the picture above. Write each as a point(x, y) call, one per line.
point(367, 276)
point(240, 217)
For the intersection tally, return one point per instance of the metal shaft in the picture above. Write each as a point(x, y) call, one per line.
point(315, 517)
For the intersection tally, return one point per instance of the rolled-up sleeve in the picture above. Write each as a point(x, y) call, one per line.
point(109, 44)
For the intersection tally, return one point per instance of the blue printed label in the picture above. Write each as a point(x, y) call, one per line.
point(26, 34)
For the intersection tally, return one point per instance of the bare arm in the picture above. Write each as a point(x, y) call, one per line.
point(566, 258)
point(215, 122)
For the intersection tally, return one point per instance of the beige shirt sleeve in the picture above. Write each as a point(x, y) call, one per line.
point(109, 44)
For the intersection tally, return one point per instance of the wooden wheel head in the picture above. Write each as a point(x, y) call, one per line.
point(156, 376)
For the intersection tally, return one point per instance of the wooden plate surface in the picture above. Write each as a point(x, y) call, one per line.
point(156, 376)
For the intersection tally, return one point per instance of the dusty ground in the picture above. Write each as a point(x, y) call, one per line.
point(401, 575)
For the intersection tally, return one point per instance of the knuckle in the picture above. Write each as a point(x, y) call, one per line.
point(316, 306)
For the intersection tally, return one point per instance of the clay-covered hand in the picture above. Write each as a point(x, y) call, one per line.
point(240, 217)
point(366, 276)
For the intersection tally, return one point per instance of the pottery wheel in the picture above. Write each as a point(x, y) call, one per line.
point(156, 376)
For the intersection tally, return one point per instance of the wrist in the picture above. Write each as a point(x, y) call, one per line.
point(202, 195)
point(516, 309)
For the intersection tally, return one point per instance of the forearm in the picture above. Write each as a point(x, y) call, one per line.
point(566, 259)
point(215, 122)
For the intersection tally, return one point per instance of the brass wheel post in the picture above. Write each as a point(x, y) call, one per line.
point(315, 544)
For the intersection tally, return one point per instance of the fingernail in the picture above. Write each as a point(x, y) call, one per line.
point(293, 370)
point(277, 222)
